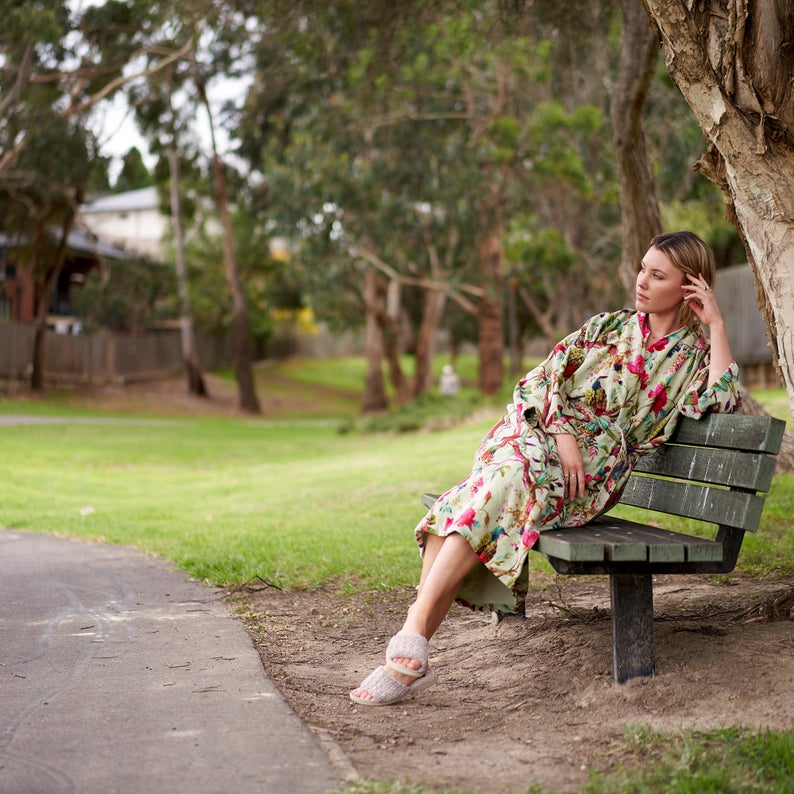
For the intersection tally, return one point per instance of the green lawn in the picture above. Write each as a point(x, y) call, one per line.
point(293, 502)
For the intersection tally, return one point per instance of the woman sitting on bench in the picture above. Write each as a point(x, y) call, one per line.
point(606, 394)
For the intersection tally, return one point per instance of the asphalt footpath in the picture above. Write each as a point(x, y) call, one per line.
point(118, 674)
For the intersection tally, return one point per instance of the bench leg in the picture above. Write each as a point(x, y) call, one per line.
point(632, 625)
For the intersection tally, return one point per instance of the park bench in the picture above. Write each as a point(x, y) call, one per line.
point(714, 470)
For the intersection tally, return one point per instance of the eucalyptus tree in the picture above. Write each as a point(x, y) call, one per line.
point(165, 127)
point(733, 64)
point(412, 158)
point(87, 55)
point(210, 37)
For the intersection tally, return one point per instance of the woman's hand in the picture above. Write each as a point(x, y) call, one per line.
point(572, 466)
point(701, 300)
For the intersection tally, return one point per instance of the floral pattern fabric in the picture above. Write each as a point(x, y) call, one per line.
point(619, 396)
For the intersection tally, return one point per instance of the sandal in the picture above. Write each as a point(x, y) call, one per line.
point(408, 646)
point(387, 690)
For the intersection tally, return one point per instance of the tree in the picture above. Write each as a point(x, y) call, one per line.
point(134, 174)
point(84, 56)
point(640, 218)
point(159, 119)
point(734, 65)
point(41, 198)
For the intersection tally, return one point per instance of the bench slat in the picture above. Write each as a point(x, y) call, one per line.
point(718, 466)
point(715, 505)
point(619, 540)
point(734, 431)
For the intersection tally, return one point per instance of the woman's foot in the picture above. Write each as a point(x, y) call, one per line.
point(382, 687)
point(406, 666)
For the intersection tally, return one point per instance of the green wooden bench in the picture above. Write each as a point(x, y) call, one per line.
point(711, 470)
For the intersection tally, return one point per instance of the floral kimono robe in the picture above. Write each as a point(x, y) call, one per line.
point(619, 397)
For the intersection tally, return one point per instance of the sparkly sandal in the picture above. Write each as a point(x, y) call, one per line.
point(387, 690)
point(408, 646)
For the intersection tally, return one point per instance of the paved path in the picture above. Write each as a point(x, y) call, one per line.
point(117, 674)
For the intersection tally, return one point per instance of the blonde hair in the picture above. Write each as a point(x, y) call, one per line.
point(687, 252)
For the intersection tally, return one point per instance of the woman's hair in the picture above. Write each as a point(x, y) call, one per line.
point(690, 255)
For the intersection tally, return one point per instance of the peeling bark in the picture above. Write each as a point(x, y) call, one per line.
point(733, 61)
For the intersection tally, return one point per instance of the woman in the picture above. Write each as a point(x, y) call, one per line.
point(608, 393)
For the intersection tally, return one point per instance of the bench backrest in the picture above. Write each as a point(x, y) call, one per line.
point(710, 470)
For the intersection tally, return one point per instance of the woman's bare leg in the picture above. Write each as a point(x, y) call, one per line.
point(445, 564)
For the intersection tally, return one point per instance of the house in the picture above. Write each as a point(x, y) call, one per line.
point(132, 220)
point(84, 252)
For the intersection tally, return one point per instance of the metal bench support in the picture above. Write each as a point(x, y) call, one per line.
point(632, 625)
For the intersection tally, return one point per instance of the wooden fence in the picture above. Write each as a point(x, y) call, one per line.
point(104, 357)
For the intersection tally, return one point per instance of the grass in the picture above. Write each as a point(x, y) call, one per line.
point(293, 502)
point(726, 761)
point(776, 402)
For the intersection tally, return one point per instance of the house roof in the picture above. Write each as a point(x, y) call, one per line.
point(143, 199)
point(79, 241)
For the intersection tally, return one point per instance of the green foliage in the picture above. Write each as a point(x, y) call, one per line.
point(726, 761)
point(127, 295)
point(134, 174)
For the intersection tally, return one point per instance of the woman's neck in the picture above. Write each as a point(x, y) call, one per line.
point(661, 325)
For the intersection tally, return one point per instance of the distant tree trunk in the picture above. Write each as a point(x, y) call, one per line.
point(374, 399)
point(241, 331)
point(190, 358)
point(490, 323)
point(44, 293)
point(733, 64)
point(433, 302)
point(640, 218)
point(388, 315)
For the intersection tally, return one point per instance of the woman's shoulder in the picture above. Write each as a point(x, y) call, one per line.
point(610, 322)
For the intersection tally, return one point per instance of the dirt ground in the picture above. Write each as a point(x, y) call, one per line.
point(529, 701)
point(520, 702)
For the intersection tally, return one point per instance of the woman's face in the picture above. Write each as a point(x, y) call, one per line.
point(659, 284)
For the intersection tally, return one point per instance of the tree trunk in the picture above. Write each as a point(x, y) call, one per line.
point(241, 333)
point(640, 218)
point(490, 331)
point(387, 313)
point(433, 302)
point(374, 386)
point(47, 285)
point(190, 359)
point(733, 65)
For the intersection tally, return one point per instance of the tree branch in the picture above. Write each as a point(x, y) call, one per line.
point(424, 283)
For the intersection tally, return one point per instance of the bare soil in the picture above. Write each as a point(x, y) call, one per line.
point(529, 701)
point(520, 702)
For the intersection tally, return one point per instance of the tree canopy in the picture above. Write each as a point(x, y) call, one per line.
point(451, 164)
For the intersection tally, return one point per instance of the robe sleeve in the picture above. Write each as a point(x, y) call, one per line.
point(721, 397)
